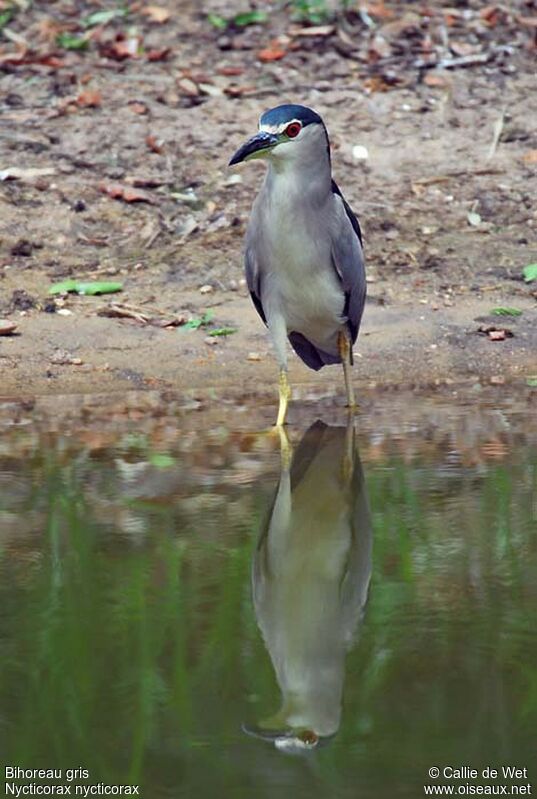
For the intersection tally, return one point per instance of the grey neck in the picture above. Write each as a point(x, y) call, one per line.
point(309, 175)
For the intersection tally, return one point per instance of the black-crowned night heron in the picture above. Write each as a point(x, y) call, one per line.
point(310, 580)
point(304, 262)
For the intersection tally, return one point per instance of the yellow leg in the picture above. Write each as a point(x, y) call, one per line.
point(344, 345)
point(285, 396)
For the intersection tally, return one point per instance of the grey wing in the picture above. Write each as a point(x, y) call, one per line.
point(252, 278)
point(348, 260)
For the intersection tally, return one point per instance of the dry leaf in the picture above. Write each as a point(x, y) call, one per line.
point(490, 15)
point(158, 54)
point(496, 333)
point(89, 98)
point(379, 10)
point(377, 83)
point(530, 157)
point(127, 193)
point(436, 80)
point(234, 90)
point(156, 14)
point(271, 53)
point(121, 48)
point(138, 108)
point(230, 72)
point(7, 327)
point(157, 145)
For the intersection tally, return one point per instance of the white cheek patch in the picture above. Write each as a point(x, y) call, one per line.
point(276, 129)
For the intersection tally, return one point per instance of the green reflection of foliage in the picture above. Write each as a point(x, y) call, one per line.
point(141, 660)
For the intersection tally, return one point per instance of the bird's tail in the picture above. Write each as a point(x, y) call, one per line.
point(310, 354)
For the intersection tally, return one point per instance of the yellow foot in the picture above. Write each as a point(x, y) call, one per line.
point(286, 449)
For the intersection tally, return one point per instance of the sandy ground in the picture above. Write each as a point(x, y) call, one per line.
point(433, 276)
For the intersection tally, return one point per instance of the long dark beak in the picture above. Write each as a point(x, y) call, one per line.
point(257, 144)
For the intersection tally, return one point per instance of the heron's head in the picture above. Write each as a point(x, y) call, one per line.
point(290, 134)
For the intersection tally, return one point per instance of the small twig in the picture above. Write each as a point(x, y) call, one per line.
point(454, 63)
point(498, 129)
point(152, 238)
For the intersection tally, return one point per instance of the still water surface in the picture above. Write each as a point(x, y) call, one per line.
point(204, 615)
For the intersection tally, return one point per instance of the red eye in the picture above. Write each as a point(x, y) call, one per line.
point(293, 129)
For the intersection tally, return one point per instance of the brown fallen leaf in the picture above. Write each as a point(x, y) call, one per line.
point(490, 15)
point(496, 333)
point(230, 72)
point(156, 14)
point(154, 144)
point(436, 80)
point(530, 157)
point(27, 57)
point(118, 191)
point(121, 48)
point(377, 83)
point(158, 54)
point(234, 90)
point(271, 53)
point(89, 98)
point(7, 327)
point(380, 11)
point(138, 108)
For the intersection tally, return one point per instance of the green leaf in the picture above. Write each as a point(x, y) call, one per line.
point(250, 18)
point(193, 324)
point(5, 17)
point(161, 460)
point(78, 287)
point(313, 11)
point(506, 312)
point(222, 331)
point(530, 273)
point(103, 17)
point(70, 42)
point(531, 382)
point(217, 22)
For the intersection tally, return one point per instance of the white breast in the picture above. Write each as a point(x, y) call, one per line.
point(300, 281)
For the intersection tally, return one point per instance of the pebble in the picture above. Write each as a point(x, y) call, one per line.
point(206, 289)
point(360, 153)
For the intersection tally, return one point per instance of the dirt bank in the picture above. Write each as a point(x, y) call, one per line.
point(445, 199)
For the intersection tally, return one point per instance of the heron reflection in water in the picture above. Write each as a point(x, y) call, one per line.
point(310, 580)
